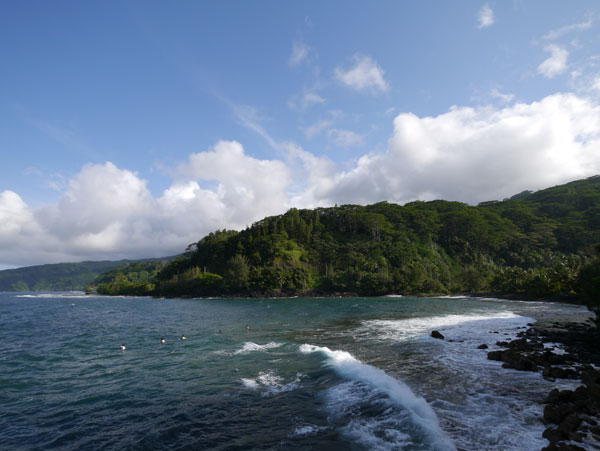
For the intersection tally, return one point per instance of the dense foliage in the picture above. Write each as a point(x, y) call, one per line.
point(132, 278)
point(534, 244)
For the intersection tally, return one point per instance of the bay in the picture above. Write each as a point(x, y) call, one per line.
point(332, 373)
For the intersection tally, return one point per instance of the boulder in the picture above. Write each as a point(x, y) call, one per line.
point(557, 413)
point(437, 334)
point(569, 424)
point(513, 359)
point(553, 435)
point(483, 346)
point(560, 373)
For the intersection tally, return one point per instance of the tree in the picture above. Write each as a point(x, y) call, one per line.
point(237, 273)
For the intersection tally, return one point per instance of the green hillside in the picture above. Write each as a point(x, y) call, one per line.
point(534, 243)
point(59, 276)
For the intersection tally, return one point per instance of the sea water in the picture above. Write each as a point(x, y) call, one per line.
point(321, 374)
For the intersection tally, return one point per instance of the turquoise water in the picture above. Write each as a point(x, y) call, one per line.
point(329, 374)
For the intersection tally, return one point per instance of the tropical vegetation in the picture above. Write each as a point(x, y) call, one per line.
point(538, 244)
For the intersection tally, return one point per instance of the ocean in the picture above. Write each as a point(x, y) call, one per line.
point(307, 374)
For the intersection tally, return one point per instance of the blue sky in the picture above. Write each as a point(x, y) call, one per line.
point(130, 129)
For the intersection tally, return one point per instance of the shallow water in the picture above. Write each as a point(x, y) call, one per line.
point(329, 374)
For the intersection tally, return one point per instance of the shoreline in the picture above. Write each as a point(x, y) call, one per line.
point(561, 346)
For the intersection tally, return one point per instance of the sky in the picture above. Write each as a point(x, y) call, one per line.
point(132, 129)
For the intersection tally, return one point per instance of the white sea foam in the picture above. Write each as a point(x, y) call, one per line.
point(73, 294)
point(253, 347)
point(399, 330)
point(250, 383)
point(396, 391)
point(556, 348)
point(378, 434)
point(272, 383)
point(479, 404)
point(307, 430)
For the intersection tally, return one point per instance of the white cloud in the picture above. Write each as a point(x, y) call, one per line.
point(345, 138)
point(311, 98)
point(365, 74)
point(477, 154)
point(317, 128)
point(307, 100)
point(485, 17)
point(248, 117)
point(108, 212)
point(502, 97)
point(465, 154)
point(554, 34)
point(556, 63)
point(248, 187)
point(299, 54)
point(596, 85)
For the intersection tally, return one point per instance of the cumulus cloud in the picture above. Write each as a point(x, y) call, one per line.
point(477, 154)
point(249, 187)
point(108, 212)
point(556, 63)
point(364, 75)
point(465, 154)
point(485, 17)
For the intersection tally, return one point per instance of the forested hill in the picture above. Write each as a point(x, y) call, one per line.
point(533, 243)
point(58, 276)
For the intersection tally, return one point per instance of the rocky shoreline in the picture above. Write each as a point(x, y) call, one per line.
point(561, 349)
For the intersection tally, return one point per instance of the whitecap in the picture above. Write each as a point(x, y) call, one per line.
point(378, 381)
point(403, 329)
point(307, 430)
point(272, 383)
point(59, 295)
point(250, 346)
point(250, 383)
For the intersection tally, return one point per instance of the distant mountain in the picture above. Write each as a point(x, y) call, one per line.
point(59, 276)
point(535, 243)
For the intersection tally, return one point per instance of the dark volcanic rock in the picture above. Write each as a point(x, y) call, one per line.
point(553, 435)
point(513, 359)
point(483, 346)
point(556, 413)
point(574, 414)
point(556, 396)
point(560, 373)
point(437, 334)
point(562, 447)
point(569, 424)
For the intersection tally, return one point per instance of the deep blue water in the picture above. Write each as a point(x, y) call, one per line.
point(330, 374)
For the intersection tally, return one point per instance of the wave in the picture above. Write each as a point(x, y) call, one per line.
point(397, 392)
point(414, 327)
point(249, 346)
point(74, 294)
